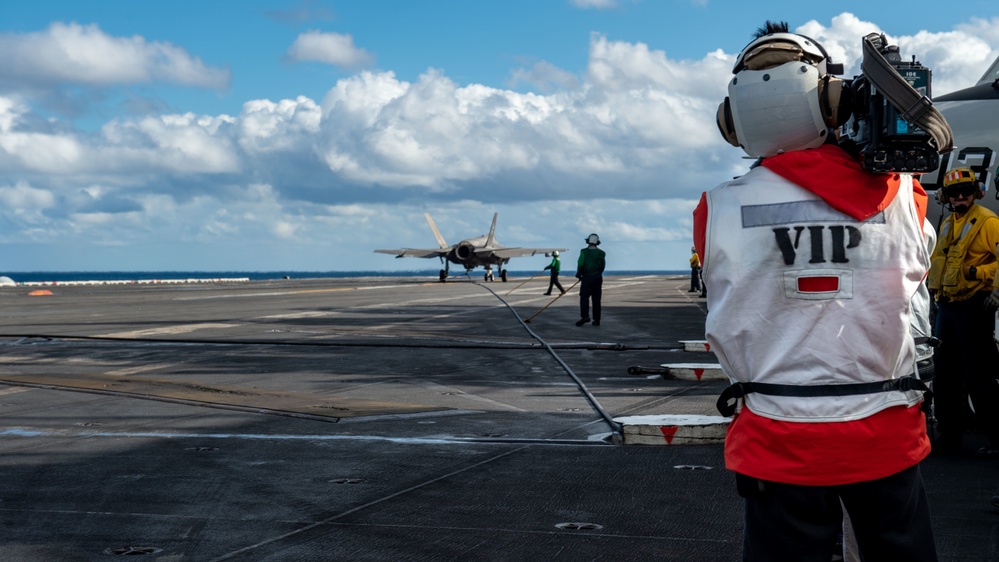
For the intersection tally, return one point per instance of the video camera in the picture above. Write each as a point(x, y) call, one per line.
point(885, 138)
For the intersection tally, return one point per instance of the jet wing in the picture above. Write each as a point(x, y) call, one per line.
point(415, 253)
point(519, 252)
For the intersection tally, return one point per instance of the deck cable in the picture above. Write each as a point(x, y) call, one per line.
point(616, 427)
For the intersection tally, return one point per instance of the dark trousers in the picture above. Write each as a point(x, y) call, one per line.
point(965, 361)
point(590, 288)
point(554, 283)
point(695, 279)
point(890, 518)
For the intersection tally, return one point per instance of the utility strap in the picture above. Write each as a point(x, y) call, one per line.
point(917, 108)
point(730, 396)
point(929, 340)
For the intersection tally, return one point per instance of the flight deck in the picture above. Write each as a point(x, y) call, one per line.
point(376, 419)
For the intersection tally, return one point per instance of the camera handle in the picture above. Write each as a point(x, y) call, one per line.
point(918, 109)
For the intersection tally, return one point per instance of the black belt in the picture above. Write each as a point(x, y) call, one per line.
point(729, 397)
point(945, 299)
point(930, 340)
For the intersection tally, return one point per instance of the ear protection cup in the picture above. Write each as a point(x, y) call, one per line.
point(835, 100)
point(725, 124)
point(941, 198)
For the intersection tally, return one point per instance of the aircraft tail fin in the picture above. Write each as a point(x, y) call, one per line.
point(437, 233)
point(491, 240)
point(991, 74)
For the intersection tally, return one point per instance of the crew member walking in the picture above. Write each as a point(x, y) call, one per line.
point(555, 266)
point(590, 272)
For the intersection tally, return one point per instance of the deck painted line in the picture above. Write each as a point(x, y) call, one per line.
point(26, 432)
point(169, 330)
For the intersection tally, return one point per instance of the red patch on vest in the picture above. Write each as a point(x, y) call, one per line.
point(829, 284)
point(698, 373)
point(668, 433)
point(707, 346)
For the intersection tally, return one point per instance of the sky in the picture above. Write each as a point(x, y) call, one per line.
point(301, 135)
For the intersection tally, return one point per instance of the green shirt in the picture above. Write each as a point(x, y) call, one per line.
point(591, 260)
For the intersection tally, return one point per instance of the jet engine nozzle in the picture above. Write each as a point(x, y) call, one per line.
point(464, 251)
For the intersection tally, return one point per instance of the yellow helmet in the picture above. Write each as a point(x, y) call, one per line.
point(959, 175)
point(960, 181)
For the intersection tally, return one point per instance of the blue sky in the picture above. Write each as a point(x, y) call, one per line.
point(301, 135)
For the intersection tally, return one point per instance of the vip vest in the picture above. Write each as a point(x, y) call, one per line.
point(800, 294)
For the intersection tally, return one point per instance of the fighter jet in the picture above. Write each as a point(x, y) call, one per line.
point(482, 251)
point(973, 115)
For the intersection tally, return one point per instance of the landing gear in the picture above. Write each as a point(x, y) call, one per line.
point(503, 275)
point(444, 272)
point(489, 275)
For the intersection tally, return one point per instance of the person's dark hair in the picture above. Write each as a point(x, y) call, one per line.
point(771, 27)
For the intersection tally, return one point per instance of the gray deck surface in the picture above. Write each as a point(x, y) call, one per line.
point(373, 419)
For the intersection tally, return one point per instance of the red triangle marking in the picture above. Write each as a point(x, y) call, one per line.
point(698, 373)
point(707, 347)
point(668, 432)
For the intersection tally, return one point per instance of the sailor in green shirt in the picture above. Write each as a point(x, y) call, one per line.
point(555, 266)
point(590, 272)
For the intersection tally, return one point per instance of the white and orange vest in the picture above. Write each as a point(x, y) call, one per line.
point(802, 294)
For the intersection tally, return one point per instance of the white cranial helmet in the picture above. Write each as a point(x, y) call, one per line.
point(782, 97)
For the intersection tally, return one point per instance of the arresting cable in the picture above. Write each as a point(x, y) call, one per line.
point(616, 427)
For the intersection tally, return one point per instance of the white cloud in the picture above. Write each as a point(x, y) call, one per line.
point(56, 154)
point(987, 30)
point(285, 230)
point(545, 77)
point(180, 143)
point(957, 58)
point(85, 55)
point(624, 149)
point(10, 112)
point(329, 48)
point(633, 108)
point(286, 125)
point(23, 197)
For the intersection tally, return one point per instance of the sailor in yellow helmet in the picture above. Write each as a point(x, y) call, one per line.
point(695, 271)
point(961, 276)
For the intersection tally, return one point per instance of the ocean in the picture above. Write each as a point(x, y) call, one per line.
point(126, 276)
